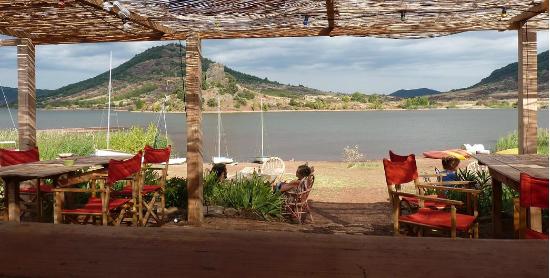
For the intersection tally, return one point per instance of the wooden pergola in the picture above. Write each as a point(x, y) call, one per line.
point(40, 22)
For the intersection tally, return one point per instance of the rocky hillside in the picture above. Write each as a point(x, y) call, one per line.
point(414, 93)
point(141, 83)
point(500, 84)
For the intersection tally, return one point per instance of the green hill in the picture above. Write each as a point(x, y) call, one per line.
point(414, 93)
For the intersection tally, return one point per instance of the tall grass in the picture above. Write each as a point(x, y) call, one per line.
point(510, 141)
point(52, 143)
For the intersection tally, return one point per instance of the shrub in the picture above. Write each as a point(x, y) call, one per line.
point(352, 155)
point(212, 103)
point(176, 192)
point(417, 102)
point(510, 141)
point(246, 94)
point(358, 97)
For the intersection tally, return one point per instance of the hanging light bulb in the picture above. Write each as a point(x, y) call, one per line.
point(306, 20)
point(107, 6)
point(403, 15)
point(504, 12)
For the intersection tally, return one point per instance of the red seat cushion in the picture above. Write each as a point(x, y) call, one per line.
point(127, 190)
point(438, 219)
point(94, 205)
point(530, 234)
point(428, 204)
point(31, 189)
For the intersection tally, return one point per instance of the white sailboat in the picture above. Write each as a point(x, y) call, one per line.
point(220, 158)
point(262, 158)
point(108, 151)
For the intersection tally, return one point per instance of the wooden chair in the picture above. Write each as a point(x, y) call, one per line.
point(296, 203)
point(111, 210)
point(273, 168)
point(533, 194)
point(408, 203)
point(32, 193)
point(404, 172)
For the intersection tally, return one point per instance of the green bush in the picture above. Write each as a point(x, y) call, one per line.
point(246, 94)
point(176, 192)
point(253, 195)
point(510, 141)
point(358, 97)
point(417, 102)
point(212, 103)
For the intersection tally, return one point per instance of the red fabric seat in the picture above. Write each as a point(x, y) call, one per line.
point(94, 205)
point(11, 157)
point(152, 155)
point(428, 204)
point(438, 219)
point(127, 190)
point(30, 189)
point(530, 234)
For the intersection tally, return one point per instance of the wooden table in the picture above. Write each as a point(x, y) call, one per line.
point(506, 169)
point(63, 176)
point(47, 250)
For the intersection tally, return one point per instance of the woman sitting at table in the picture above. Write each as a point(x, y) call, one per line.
point(220, 171)
point(303, 171)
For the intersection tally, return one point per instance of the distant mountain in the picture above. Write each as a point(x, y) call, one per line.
point(11, 95)
point(414, 93)
point(501, 83)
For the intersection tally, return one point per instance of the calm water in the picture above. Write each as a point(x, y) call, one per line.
point(316, 135)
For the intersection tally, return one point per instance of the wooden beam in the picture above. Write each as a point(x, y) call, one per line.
point(9, 42)
point(134, 17)
point(26, 94)
point(527, 90)
point(193, 85)
point(330, 17)
point(516, 21)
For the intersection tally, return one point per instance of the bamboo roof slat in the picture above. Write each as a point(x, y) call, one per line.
point(73, 21)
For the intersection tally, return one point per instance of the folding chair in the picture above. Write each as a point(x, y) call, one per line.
point(398, 173)
point(151, 197)
point(295, 202)
point(533, 194)
point(111, 210)
point(31, 198)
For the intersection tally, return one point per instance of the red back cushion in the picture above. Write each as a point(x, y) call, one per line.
point(10, 157)
point(121, 169)
point(399, 158)
point(533, 191)
point(153, 155)
point(400, 172)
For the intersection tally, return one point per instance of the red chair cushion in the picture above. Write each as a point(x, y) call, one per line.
point(399, 158)
point(152, 155)
point(428, 204)
point(127, 190)
point(533, 191)
point(94, 205)
point(400, 172)
point(31, 189)
point(11, 157)
point(438, 219)
point(121, 169)
point(530, 234)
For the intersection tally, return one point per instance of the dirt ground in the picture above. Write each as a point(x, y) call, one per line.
point(344, 199)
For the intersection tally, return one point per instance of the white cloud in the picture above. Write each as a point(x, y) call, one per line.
point(344, 64)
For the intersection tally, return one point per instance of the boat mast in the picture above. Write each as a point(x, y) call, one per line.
point(219, 129)
point(109, 104)
point(262, 119)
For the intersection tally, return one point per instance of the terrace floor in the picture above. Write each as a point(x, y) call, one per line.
point(46, 250)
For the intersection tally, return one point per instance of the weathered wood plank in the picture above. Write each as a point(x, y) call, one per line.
point(195, 252)
point(527, 86)
point(26, 94)
point(517, 21)
point(193, 84)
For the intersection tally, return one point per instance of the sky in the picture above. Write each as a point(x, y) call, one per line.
point(338, 64)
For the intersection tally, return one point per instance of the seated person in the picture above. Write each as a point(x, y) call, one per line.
point(220, 170)
point(450, 164)
point(302, 172)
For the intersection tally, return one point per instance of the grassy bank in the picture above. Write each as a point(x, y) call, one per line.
point(52, 143)
point(510, 141)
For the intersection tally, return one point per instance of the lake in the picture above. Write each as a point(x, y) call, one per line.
point(315, 135)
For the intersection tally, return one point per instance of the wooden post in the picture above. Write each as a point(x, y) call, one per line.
point(497, 208)
point(26, 94)
point(527, 89)
point(193, 84)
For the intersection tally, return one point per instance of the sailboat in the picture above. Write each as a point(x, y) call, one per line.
point(220, 158)
point(108, 151)
point(262, 158)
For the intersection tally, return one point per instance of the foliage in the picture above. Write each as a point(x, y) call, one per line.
point(353, 156)
point(494, 103)
point(510, 141)
point(231, 87)
point(212, 103)
point(144, 89)
point(359, 97)
point(318, 104)
point(253, 195)
point(293, 102)
point(416, 103)
point(246, 94)
point(176, 192)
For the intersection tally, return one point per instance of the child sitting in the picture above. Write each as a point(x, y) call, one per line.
point(450, 164)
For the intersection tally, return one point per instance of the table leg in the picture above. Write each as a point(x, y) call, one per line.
point(497, 207)
point(12, 194)
point(59, 199)
point(535, 219)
